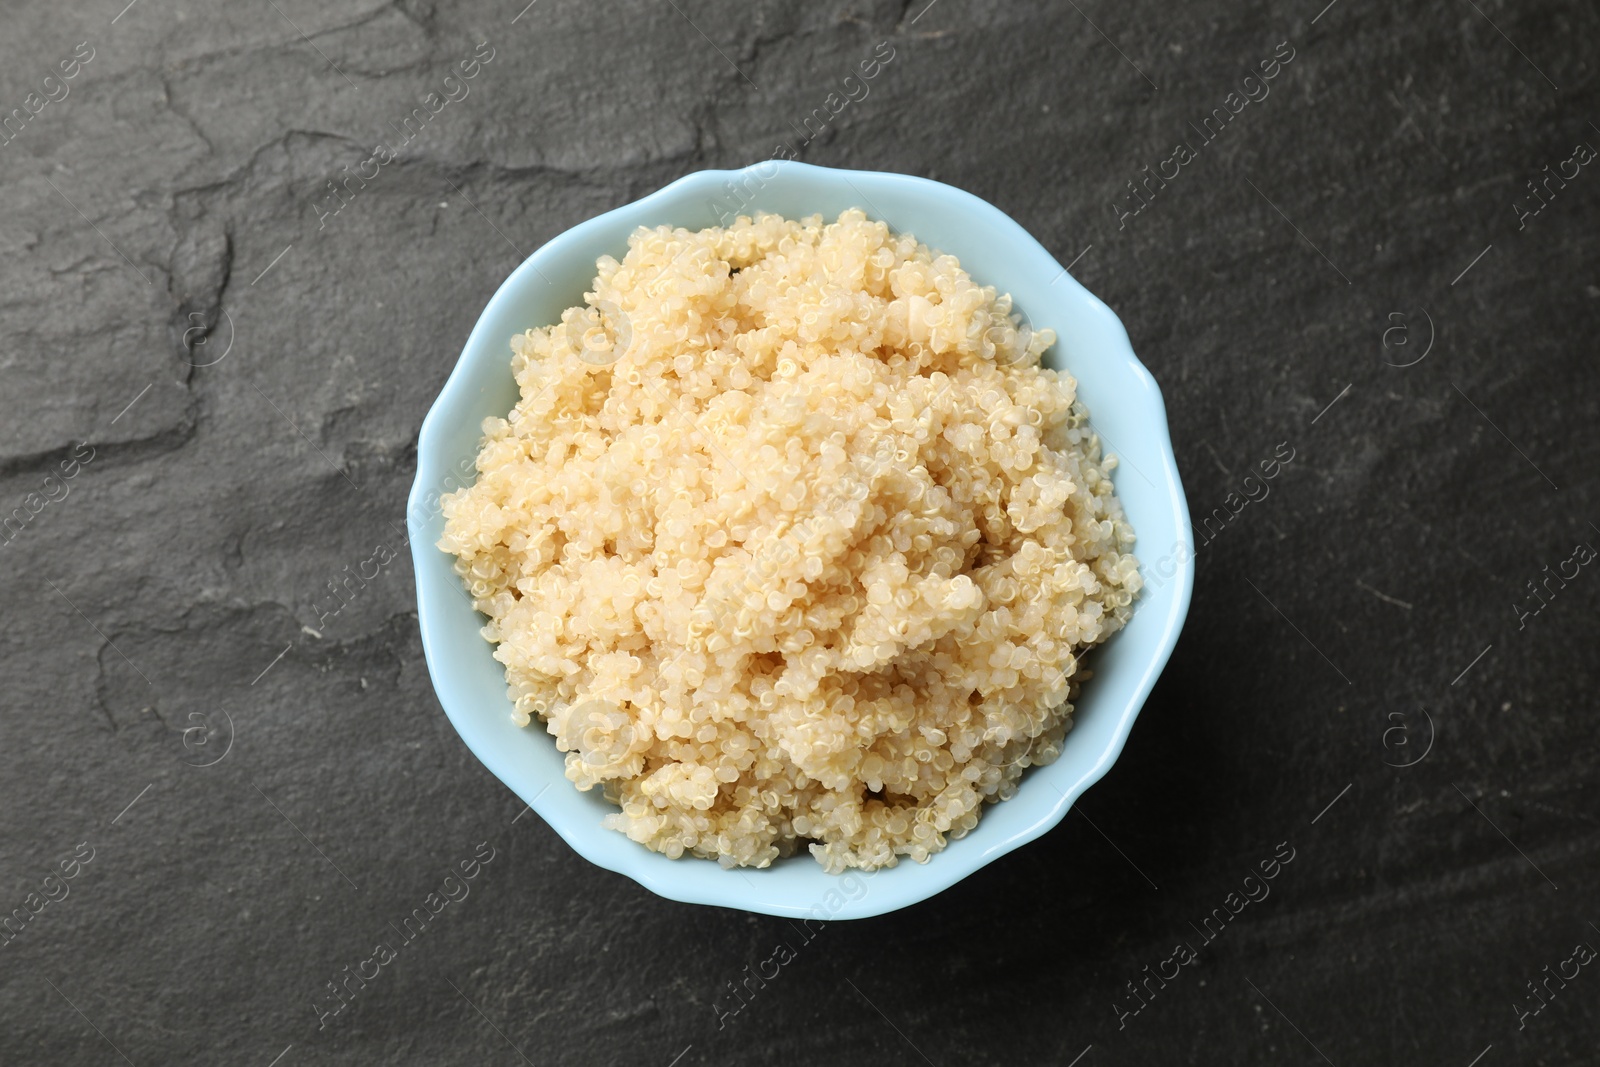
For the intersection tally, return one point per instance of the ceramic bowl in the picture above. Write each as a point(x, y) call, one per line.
point(1125, 407)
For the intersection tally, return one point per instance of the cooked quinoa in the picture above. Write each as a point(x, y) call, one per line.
point(790, 538)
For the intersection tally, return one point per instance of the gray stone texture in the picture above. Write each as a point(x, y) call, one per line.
point(246, 380)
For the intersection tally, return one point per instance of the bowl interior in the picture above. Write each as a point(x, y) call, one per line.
point(1124, 405)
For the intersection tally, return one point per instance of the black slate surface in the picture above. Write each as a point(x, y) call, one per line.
point(234, 377)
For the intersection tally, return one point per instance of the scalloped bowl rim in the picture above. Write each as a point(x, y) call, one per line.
point(1116, 387)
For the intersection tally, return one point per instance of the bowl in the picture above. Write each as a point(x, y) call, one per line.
point(1124, 405)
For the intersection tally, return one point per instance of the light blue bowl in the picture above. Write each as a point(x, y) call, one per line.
point(1124, 406)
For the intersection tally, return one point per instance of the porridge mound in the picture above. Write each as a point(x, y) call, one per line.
point(791, 539)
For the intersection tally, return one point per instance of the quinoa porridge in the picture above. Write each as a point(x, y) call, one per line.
point(791, 540)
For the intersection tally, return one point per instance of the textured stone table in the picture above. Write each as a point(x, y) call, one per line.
point(219, 792)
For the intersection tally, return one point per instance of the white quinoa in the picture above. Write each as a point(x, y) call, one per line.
point(791, 539)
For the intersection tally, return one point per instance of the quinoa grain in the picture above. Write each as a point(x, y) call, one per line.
point(791, 539)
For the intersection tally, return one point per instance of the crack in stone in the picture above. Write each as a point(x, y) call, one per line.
point(397, 7)
point(170, 438)
point(381, 650)
point(189, 120)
